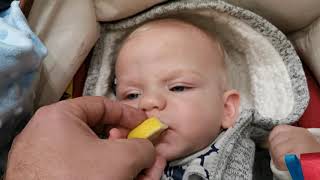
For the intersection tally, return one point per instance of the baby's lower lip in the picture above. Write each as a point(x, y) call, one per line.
point(163, 135)
point(164, 132)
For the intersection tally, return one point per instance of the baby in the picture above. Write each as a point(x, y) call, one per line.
point(175, 71)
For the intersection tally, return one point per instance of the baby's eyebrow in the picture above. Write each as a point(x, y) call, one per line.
point(127, 82)
point(181, 72)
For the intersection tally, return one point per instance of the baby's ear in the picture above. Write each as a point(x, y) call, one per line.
point(231, 101)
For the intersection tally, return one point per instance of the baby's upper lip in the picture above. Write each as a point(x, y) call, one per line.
point(153, 113)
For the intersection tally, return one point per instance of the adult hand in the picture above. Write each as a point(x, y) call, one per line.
point(59, 143)
point(155, 172)
point(285, 139)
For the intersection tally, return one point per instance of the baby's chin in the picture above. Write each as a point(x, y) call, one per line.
point(172, 146)
point(167, 152)
point(172, 152)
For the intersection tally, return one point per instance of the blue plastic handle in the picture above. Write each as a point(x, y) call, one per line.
point(294, 166)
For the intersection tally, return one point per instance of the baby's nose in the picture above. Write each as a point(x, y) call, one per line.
point(151, 103)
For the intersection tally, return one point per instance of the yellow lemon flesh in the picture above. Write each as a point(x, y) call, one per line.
point(149, 129)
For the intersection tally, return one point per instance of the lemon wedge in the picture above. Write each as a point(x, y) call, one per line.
point(149, 129)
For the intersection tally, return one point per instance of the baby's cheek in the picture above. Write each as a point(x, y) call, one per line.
point(195, 125)
point(202, 133)
point(197, 138)
point(203, 139)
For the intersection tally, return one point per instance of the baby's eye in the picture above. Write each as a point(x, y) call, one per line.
point(179, 88)
point(131, 96)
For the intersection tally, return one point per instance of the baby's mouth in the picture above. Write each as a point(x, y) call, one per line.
point(160, 137)
point(164, 132)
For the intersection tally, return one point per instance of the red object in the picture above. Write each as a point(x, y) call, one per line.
point(311, 117)
point(310, 164)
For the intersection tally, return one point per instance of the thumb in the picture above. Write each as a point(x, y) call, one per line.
point(156, 171)
point(130, 156)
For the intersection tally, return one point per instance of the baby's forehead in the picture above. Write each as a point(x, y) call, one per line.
point(165, 24)
point(170, 26)
point(176, 33)
point(176, 29)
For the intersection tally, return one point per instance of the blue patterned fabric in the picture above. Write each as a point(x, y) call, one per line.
point(21, 54)
point(177, 171)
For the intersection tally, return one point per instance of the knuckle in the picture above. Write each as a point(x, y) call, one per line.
point(280, 127)
point(278, 131)
point(49, 109)
point(47, 115)
point(43, 111)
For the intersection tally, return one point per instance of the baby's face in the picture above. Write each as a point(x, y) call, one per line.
point(170, 71)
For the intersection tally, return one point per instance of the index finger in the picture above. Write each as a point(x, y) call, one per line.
point(277, 130)
point(96, 110)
